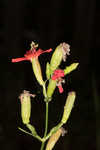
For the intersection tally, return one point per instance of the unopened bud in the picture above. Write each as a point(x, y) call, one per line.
point(59, 54)
point(68, 106)
point(70, 68)
point(26, 106)
point(54, 138)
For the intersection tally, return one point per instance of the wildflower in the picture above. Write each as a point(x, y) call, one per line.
point(57, 73)
point(57, 76)
point(32, 56)
point(56, 80)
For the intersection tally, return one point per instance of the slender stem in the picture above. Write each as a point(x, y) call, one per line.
point(42, 146)
point(25, 131)
point(37, 137)
point(46, 120)
point(46, 125)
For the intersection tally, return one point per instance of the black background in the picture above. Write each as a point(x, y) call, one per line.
point(49, 23)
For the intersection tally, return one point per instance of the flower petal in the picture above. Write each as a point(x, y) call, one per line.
point(19, 59)
point(57, 74)
point(31, 54)
point(40, 51)
point(60, 89)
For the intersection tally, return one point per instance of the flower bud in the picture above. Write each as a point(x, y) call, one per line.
point(59, 55)
point(25, 106)
point(70, 68)
point(37, 71)
point(48, 72)
point(68, 106)
point(54, 138)
point(51, 88)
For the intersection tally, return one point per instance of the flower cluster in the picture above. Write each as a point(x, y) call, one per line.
point(55, 76)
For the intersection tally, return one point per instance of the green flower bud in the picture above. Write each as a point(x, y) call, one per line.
point(25, 106)
point(59, 55)
point(70, 68)
point(37, 71)
point(48, 71)
point(68, 106)
point(51, 88)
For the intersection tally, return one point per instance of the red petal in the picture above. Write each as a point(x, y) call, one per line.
point(54, 77)
point(57, 74)
point(19, 59)
point(60, 89)
point(31, 54)
point(40, 51)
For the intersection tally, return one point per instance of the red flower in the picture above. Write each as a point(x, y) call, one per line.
point(57, 76)
point(31, 54)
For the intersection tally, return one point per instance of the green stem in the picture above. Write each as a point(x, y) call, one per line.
point(53, 130)
point(46, 121)
point(46, 126)
point(44, 90)
point(37, 137)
